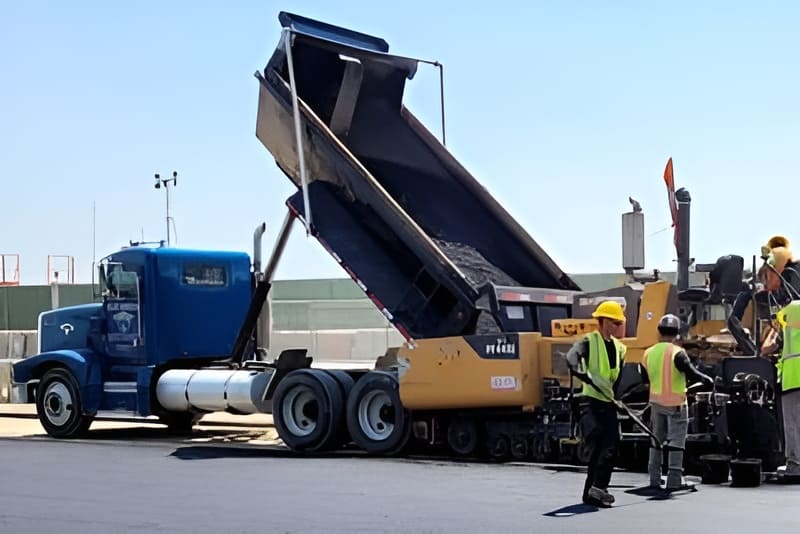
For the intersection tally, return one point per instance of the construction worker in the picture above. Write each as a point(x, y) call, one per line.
point(778, 262)
point(789, 377)
point(597, 359)
point(667, 368)
point(782, 280)
point(782, 267)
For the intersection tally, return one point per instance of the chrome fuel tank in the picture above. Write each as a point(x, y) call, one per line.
point(214, 390)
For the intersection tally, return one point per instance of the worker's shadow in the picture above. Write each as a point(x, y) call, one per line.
point(572, 510)
point(583, 508)
point(658, 494)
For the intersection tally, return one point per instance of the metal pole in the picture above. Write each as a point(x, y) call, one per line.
point(441, 98)
point(684, 200)
point(287, 36)
point(280, 244)
point(166, 187)
point(756, 329)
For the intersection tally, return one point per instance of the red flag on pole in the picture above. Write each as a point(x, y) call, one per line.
point(669, 179)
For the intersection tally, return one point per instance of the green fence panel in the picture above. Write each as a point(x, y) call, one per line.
point(24, 304)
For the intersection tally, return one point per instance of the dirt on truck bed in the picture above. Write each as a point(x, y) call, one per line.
point(475, 267)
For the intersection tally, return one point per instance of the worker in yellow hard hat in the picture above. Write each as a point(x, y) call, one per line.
point(779, 276)
point(781, 280)
point(782, 267)
point(597, 359)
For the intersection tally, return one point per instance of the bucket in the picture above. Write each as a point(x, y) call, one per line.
point(746, 472)
point(716, 468)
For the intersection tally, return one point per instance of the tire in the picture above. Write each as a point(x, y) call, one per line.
point(308, 410)
point(59, 406)
point(499, 447)
point(520, 448)
point(376, 419)
point(463, 437)
point(346, 383)
point(344, 380)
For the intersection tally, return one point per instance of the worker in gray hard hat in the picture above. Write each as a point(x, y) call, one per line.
point(667, 368)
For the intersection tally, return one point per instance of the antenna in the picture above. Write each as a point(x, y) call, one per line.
point(94, 239)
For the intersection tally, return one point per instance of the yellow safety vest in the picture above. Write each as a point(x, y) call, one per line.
point(598, 363)
point(789, 362)
point(667, 384)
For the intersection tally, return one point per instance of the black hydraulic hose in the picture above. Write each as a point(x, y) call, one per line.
point(249, 324)
point(792, 291)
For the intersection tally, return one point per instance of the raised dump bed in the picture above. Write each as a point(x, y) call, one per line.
point(398, 211)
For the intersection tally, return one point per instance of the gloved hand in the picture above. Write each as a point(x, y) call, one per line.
point(707, 380)
point(575, 362)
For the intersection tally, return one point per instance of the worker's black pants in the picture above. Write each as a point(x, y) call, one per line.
point(601, 432)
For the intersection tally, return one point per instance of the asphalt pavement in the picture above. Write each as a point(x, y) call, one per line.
point(133, 480)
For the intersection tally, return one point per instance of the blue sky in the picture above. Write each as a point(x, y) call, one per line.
point(560, 109)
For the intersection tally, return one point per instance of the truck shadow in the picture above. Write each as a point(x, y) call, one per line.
point(164, 434)
point(211, 452)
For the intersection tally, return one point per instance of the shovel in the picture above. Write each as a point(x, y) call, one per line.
point(627, 411)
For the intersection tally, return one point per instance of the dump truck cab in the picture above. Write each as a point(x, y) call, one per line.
point(159, 308)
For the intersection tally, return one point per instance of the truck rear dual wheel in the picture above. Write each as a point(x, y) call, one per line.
point(59, 406)
point(346, 383)
point(308, 410)
point(377, 421)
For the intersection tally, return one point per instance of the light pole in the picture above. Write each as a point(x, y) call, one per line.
point(165, 182)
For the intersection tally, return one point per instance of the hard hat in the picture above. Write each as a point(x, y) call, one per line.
point(774, 242)
point(669, 322)
point(779, 257)
point(778, 241)
point(610, 310)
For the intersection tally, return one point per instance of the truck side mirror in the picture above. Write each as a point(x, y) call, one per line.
point(102, 286)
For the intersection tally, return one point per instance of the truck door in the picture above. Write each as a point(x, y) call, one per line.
point(122, 307)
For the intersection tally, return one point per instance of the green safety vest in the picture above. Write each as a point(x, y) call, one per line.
point(789, 362)
point(598, 363)
point(667, 384)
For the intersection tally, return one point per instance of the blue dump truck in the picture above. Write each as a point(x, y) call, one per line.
point(487, 315)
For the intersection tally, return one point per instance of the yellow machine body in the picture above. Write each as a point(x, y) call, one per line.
point(507, 370)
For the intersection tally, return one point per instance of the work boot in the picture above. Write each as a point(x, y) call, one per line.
point(674, 481)
point(791, 469)
point(601, 495)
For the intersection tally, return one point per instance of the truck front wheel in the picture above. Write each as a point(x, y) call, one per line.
point(58, 405)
